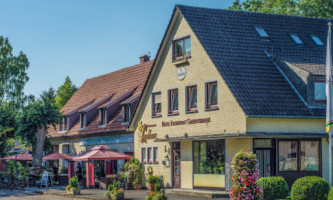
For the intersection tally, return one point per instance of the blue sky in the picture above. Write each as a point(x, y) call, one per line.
point(82, 39)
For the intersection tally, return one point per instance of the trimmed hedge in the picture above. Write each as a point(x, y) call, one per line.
point(310, 187)
point(330, 194)
point(273, 187)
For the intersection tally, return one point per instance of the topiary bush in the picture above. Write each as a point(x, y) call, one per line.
point(245, 176)
point(273, 187)
point(310, 187)
point(74, 182)
point(330, 194)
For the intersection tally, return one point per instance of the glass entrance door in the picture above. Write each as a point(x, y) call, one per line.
point(265, 162)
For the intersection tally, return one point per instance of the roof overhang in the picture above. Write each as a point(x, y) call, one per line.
point(243, 135)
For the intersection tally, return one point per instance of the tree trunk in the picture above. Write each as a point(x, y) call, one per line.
point(37, 152)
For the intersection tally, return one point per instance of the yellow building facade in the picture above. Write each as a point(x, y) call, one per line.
point(176, 145)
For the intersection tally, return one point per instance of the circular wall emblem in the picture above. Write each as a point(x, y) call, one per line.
point(181, 73)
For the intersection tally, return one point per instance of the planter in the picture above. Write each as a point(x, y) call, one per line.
point(74, 192)
point(138, 187)
point(116, 197)
point(151, 187)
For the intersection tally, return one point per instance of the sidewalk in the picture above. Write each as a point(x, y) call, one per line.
point(96, 194)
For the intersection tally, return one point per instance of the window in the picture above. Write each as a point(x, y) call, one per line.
point(182, 48)
point(317, 40)
point(156, 104)
point(173, 101)
point(155, 149)
point(83, 120)
point(320, 91)
point(299, 155)
point(261, 32)
point(150, 155)
point(211, 95)
point(208, 157)
point(102, 116)
point(143, 155)
point(287, 156)
point(296, 39)
point(309, 155)
point(126, 113)
point(65, 123)
point(191, 98)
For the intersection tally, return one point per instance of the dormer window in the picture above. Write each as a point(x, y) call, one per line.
point(261, 32)
point(83, 118)
point(181, 48)
point(126, 113)
point(295, 38)
point(102, 116)
point(317, 40)
point(320, 91)
point(63, 125)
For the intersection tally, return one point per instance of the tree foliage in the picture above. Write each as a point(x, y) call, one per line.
point(309, 8)
point(34, 122)
point(8, 126)
point(13, 75)
point(65, 92)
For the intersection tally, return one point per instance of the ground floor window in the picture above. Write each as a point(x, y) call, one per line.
point(149, 155)
point(209, 163)
point(298, 155)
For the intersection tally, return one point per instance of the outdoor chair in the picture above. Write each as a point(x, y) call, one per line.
point(46, 179)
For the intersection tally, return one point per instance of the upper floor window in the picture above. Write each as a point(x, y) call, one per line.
point(126, 113)
point(63, 125)
point(317, 40)
point(191, 98)
point(156, 104)
point(261, 32)
point(320, 91)
point(102, 116)
point(83, 117)
point(211, 95)
point(296, 39)
point(173, 101)
point(181, 48)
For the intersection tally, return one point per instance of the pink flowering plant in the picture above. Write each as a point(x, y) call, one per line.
point(245, 176)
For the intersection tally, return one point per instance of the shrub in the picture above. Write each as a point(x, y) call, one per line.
point(310, 187)
point(153, 179)
point(159, 196)
point(273, 187)
point(245, 175)
point(73, 182)
point(157, 187)
point(330, 194)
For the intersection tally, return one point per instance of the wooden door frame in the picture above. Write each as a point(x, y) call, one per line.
point(172, 165)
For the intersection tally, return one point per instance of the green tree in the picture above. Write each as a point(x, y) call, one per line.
point(310, 8)
point(65, 92)
point(13, 75)
point(34, 122)
point(8, 126)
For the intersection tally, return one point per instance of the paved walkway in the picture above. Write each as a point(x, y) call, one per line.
point(59, 193)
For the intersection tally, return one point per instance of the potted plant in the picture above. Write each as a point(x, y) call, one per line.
point(152, 180)
point(114, 193)
point(73, 187)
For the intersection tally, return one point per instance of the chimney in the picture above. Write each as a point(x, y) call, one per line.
point(144, 58)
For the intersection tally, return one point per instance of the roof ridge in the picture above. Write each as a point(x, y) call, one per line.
point(122, 69)
point(241, 11)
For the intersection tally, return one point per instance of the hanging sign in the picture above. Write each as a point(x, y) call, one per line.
point(145, 133)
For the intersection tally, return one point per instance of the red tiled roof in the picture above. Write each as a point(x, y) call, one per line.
point(97, 89)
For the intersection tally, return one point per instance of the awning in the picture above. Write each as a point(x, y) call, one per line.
point(241, 135)
point(19, 157)
point(100, 152)
point(56, 156)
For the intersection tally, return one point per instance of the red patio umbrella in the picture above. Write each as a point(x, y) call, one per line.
point(56, 156)
point(100, 152)
point(19, 157)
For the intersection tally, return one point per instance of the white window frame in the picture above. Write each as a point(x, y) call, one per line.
point(173, 112)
